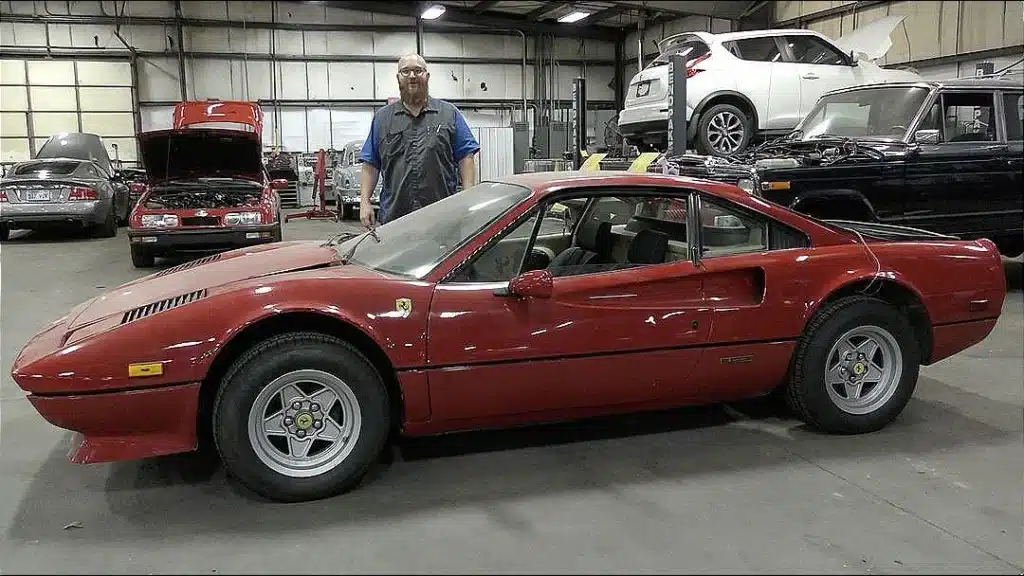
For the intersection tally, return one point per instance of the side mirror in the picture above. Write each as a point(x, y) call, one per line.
point(927, 137)
point(855, 57)
point(278, 184)
point(532, 284)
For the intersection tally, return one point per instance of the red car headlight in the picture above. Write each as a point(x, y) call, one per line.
point(236, 218)
point(159, 220)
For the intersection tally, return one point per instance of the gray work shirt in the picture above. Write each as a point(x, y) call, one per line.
point(417, 156)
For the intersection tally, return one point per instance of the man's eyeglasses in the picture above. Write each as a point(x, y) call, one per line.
point(409, 72)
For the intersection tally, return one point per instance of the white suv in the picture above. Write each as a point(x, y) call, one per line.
point(757, 82)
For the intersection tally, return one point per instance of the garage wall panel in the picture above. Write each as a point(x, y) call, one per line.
point(14, 149)
point(103, 99)
point(53, 98)
point(979, 21)
point(104, 73)
point(13, 98)
point(46, 124)
point(350, 80)
point(13, 125)
point(12, 72)
point(158, 79)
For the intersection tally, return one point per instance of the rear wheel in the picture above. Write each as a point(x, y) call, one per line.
point(5, 232)
point(723, 130)
point(108, 229)
point(855, 367)
point(142, 258)
point(301, 416)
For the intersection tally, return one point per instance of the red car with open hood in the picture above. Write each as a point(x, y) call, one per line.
point(534, 298)
point(207, 188)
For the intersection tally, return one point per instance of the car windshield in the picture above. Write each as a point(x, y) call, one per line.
point(881, 113)
point(413, 245)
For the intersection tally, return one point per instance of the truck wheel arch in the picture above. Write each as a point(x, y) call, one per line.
point(842, 204)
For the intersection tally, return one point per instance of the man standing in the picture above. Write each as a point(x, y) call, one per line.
point(421, 146)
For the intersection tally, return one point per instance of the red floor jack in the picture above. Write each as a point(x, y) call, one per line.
point(319, 183)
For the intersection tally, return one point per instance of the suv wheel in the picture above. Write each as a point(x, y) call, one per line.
point(723, 130)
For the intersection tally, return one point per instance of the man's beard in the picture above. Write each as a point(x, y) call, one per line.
point(414, 97)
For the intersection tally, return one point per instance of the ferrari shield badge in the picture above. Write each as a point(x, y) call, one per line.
point(404, 307)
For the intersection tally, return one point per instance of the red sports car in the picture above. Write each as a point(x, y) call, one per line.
point(535, 298)
point(207, 188)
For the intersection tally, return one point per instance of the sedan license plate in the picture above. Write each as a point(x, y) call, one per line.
point(643, 89)
point(37, 195)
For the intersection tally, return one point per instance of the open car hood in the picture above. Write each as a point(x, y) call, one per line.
point(201, 152)
point(207, 273)
point(872, 41)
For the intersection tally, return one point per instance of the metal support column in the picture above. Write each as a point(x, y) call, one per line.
point(181, 49)
point(620, 64)
point(419, 36)
point(676, 105)
point(579, 121)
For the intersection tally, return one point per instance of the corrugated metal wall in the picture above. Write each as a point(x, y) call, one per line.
point(495, 159)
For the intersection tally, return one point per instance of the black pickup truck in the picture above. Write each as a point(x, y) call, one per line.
point(942, 156)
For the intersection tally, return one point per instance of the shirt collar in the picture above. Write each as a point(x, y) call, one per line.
point(431, 106)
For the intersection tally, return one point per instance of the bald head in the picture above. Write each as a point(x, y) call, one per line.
point(411, 61)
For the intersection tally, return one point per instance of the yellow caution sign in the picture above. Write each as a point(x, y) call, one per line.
point(643, 162)
point(141, 369)
point(593, 163)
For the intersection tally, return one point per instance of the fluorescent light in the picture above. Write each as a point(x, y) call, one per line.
point(573, 17)
point(433, 12)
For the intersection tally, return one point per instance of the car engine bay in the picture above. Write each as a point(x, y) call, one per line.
point(179, 198)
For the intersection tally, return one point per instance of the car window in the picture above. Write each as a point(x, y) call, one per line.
point(726, 231)
point(762, 49)
point(811, 50)
point(968, 117)
point(1013, 110)
point(691, 50)
point(615, 233)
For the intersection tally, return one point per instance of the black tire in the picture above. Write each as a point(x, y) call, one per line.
point(108, 229)
point(142, 258)
point(806, 392)
point(276, 235)
point(704, 145)
point(5, 232)
point(261, 365)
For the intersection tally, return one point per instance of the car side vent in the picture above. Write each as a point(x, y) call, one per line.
point(190, 264)
point(162, 306)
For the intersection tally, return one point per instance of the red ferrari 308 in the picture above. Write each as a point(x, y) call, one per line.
point(533, 298)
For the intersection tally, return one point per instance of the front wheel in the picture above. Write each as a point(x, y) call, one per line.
point(142, 258)
point(855, 367)
point(301, 416)
point(723, 130)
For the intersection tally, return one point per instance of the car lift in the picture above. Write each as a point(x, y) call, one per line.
point(641, 164)
point(320, 209)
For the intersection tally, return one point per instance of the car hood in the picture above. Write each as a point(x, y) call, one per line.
point(207, 273)
point(201, 152)
point(872, 41)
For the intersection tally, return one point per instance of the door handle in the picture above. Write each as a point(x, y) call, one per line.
point(809, 77)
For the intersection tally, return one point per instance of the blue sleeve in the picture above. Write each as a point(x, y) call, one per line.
point(370, 154)
point(465, 143)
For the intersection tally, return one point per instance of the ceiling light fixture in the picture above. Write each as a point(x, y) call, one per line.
point(432, 13)
point(573, 17)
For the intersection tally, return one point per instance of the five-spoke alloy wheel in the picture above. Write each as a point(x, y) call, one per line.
point(301, 416)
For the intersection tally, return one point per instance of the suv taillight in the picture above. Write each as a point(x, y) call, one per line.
point(83, 193)
point(691, 71)
point(3, 196)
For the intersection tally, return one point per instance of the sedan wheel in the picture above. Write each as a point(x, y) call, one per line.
point(301, 416)
point(855, 367)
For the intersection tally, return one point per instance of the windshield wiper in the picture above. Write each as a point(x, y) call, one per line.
point(348, 256)
point(337, 238)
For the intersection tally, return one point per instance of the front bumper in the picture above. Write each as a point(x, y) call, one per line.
point(161, 241)
point(125, 425)
point(35, 215)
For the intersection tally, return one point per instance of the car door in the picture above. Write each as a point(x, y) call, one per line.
point(1013, 114)
point(755, 274)
point(819, 68)
point(958, 185)
point(763, 75)
point(610, 334)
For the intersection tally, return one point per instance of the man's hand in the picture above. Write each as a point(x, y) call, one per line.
point(366, 214)
point(367, 182)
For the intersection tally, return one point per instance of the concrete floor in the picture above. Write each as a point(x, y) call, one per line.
point(718, 489)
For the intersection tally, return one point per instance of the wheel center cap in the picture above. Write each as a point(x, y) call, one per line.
point(859, 368)
point(304, 421)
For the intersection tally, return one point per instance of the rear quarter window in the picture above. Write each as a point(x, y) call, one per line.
point(1013, 109)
